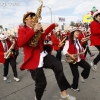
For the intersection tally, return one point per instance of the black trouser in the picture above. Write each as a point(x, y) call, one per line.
point(85, 46)
point(85, 73)
point(59, 55)
point(87, 50)
point(50, 62)
point(97, 59)
point(12, 62)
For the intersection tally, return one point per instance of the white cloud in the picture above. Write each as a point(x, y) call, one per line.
point(14, 14)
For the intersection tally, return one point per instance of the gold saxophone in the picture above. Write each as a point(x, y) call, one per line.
point(70, 60)
point(85, 39)
point(62, 42)
point(9, 52)
point(33, 42)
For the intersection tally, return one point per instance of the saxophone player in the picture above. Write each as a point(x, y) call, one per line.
point(71, 47)
point(36, 58)
point(5, 45)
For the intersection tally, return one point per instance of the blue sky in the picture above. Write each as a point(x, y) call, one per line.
point(12, 11)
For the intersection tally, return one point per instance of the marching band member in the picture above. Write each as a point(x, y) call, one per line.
point(56, 38)
point(71, 47)
point(84, 43)
point(37, 58)
point(16, 48)
point(5, 44)
point(95, 38)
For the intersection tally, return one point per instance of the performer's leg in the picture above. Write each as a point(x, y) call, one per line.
point(97, 59)
point(40, 80)
point(13, 65)
point(58, 55)
point(86, 68)
point(6, 67)
point(75, 73)
point(51, 62)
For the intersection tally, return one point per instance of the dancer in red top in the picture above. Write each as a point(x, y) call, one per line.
point(71, 47)
point(95, 38)
point(37, 58)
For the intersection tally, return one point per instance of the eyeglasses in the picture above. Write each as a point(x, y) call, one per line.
point(30, 18)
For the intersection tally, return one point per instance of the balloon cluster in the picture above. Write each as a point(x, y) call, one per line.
point(93, 10)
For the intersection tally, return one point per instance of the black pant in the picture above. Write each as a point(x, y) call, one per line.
point(85, 73)
point(50, 62)
point(97, 59)
point(12, 62)
point(85, 46)
point(59, 55)
point(87, 50)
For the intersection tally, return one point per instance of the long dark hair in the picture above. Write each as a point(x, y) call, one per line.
point(72, 36)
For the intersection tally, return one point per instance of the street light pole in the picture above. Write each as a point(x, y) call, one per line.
point(50, 12)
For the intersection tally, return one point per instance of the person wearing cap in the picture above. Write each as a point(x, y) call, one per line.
point(36, 58)
point(71, 47)
point(5, 44)
point(95, 38)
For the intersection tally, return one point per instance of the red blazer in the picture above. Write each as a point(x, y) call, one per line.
point(95, 33)
point(31, 54)
point(55, 42)
point(2, 59)
point(73, 50)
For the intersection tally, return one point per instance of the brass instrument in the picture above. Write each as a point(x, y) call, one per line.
point(68, 59)
point(9, 52)
point(33, 42)
point(62, 42)
point(85, 39)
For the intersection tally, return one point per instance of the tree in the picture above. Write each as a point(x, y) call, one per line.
point(1, 27)
point(72, 23)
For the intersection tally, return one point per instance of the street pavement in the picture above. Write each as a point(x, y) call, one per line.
point(24, 90)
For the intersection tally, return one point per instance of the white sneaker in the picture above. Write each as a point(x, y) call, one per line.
point(94, 68)
point(82, 79)
point(16, 79)
point(4, 78)
point(69, 97)
point(75, 89)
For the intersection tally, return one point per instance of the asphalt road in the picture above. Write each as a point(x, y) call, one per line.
point(24, 90)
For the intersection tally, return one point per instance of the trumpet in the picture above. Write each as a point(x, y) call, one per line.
point(85, 39)
point(62, 42)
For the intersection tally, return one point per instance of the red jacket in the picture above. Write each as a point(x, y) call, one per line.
point(81, 36)
point(55, 42)
point(73, 50)
point(95, 33)
point(2, 59)
point(31, 54)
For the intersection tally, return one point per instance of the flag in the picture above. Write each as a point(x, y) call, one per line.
point(87, 18)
